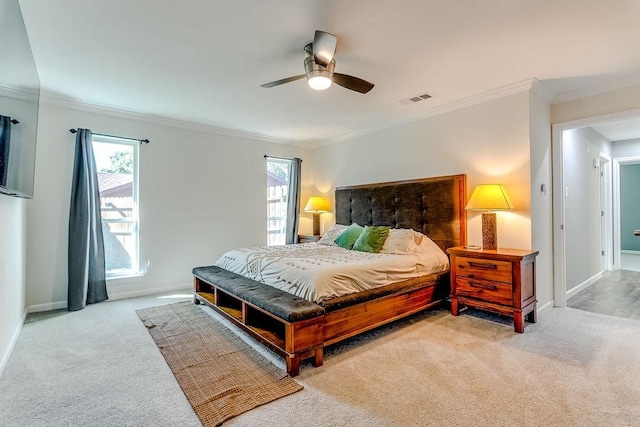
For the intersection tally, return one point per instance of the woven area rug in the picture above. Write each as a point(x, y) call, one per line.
point(221, 375)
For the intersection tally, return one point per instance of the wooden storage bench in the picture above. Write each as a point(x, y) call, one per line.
point(289, 325)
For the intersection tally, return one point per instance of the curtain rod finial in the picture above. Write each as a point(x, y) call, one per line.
point(73, 130)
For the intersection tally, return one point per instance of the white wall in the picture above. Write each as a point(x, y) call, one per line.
point(582, 225)
point(541, 196)
point(12, 272)
point(201, 194)
point(592, 106)
point(628, 148)
point(490, 142)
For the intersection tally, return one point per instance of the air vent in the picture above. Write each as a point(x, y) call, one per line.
point(415, 99)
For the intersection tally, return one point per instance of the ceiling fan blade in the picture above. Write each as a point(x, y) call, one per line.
point(353, 83)
point(283, 81)
point(324, 47)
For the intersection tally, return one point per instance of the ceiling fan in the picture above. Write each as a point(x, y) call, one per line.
point(319, 66)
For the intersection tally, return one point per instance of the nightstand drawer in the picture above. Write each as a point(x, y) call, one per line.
point(486, 290)
point(478, 268)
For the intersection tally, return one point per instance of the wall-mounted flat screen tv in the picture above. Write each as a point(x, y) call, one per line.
point(19, 96)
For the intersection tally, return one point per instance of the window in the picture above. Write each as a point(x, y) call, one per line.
point(117, 164)
point(277, 193)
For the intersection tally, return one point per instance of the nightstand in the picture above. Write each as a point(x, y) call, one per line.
point(501, 280)
point(308, 238)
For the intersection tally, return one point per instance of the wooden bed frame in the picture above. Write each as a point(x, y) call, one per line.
point(434, 206)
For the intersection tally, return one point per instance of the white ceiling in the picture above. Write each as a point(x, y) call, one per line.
point(203, 61)
point(621, 130)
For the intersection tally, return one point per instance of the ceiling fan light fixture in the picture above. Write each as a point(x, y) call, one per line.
point(319, 80)
point(319, 66)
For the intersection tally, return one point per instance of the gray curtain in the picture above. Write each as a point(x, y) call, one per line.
point(87, 274)
point(293, 201)
point(5, 140)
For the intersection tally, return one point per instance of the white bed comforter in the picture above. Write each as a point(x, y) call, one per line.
point(319, 272)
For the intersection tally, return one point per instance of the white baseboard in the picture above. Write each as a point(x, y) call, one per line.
point(47, 306)
point(114, 296)
point(584, 285)
point(630, 252)
point(12, 343)
point(546, 307)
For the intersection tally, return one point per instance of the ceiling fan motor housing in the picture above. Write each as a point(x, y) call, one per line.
point(312, 69)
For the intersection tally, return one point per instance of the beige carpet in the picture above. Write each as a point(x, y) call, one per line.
point(221, 375)
point(100, 367)
point(571, 369)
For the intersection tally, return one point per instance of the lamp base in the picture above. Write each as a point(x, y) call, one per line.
point(489, 231)
point(316, 224)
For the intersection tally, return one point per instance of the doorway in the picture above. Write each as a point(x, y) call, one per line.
point(584, 231)
point(627, 206)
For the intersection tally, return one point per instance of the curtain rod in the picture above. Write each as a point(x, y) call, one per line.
point(279, 158)
point(142, 141)
point(14, 121)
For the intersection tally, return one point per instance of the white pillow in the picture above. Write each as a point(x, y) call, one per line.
point(402, 241)
point(330, 236)
point(428, 246)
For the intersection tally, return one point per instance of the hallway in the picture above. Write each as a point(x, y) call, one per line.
point(617, 293)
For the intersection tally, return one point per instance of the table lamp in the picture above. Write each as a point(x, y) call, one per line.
point(316, 205)
point(489, 197)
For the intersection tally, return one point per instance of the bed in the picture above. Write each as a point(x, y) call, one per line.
point(300, 326)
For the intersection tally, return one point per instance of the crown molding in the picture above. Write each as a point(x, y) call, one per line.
point(534, 85)
point(20, 94)
point(51, 100)
point(598, 89)
point(54, 100)
point(542, 91)
point(500, 92)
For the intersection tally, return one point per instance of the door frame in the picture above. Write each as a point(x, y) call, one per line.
point(617, 162)
point(606, 207)
point(558, 191)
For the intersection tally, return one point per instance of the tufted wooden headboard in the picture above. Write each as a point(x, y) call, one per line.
point(433, 206)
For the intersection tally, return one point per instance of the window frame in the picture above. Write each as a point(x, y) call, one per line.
point(135, 270)
point(288, 162)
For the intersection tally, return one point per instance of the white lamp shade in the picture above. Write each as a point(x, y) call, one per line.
point(489, 197)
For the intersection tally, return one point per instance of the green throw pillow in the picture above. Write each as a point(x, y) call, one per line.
point(371, 239)
point(349, 236)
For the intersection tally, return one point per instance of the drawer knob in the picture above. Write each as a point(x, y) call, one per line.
point(483, 286)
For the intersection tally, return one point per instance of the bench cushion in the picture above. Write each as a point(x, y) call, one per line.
point(275, 301)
